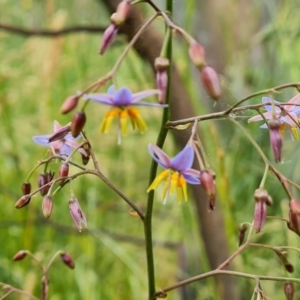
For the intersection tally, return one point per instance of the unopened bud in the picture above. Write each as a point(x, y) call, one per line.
point(67, 260)
point(69, 104)
point(260, 209)
point(208, 183)
point(121, 14)
point(161, 65)
point(275, 138)
point(47, 206)
point(242, 230)
point(86, 157)
point(77, 124)
point(23, 201)
point(77, 213)
point(63, 172)
point(20, 255)
point(211, 83)
point(289, 290)
point(269, 201)
point(197, 55)
point(294, 216)
point(108, 37)
point(282, 255)
point(26, 188)
point(60, 133)
point(43, 182)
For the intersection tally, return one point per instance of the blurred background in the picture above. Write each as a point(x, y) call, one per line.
point(253, 45)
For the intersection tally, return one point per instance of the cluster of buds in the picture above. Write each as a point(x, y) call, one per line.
point(294, 216)
point(207, 178)
point(262, 199)
point(208, 75)
point(117, 19)
point(44, 181)
point(162, 65)
point(275, 138)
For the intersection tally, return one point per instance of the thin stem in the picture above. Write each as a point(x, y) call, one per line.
point(52, 260)
point(262, 183)
point(15, 290)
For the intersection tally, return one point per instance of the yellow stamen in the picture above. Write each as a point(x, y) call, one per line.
point(281, 128)
point(106, 123)
point(158, 180)
point(123, 121)
point(295, 133)
point(136, 119)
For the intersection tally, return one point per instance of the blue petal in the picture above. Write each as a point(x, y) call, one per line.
point(191, 176)
point(140, 95)
point(269, 107)
point(42, 139)
point(111, 90)
point(150, 104)
point(101, 98)
point(159, 156)
point(123, 96)
point(184, 159)
point(265, 126)
point(65, 150)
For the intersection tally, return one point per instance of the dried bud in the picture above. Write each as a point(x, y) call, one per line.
point(208, 183)
point(77, 124)
point(197, 55)
point(289, 290)
point(108, 37)
point(43, 182)
point(69, 104)
point(242, 229)
point(161, 65)
point(294, 216)
point(60, 134)
point(210, 81)
point(23, 201)
point(282, 255)
point(20, 255)
point(275, 138)
point(269, 201)
point(260, 209)
point(86, 157)
point(120, 16)
point(26, 188)
point(47, 206)
point(77, 213)
point(67, 260)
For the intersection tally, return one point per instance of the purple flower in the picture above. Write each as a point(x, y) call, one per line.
point(123, 106)
point(61, 141)
point(177, 171)
point(287, 114)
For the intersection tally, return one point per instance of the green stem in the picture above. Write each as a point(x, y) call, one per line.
point(160, 142)
point(262, 183)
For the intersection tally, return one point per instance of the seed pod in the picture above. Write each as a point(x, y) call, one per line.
point(20, 255)
point(211, 83)
point(47, 206)
point(77, 124)
point(23, 201)
point(67, 260)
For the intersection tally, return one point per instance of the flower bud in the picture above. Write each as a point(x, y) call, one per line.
point(47, 206)
point(121, 14)
point(294, 216)
point(197, 55)
point(210, 81)
point(161, 65)
point(282, 255)
point(43, 182)
point(275, 138)
point(23, 201)
point(242, 229)
point(63, 172)
point(60, 133)
point(69, 104)
point(108, 37)
point(67, 260)
point(77, 124)
point(26, 188)
point(86, 157)
point(260, 209)
point(209, 186)
point(289, 290)
point(77, 213)
point(20, 255)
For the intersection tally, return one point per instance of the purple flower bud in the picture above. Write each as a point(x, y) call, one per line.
point(77, 213)
point(67, 260)
point(60, 133)
point(47, 206)
point(294, 216)
point(85, 158)
point(20, 255)
point(26, 188)
point(210, 81)
point(275, 138)
point(121, 14)
point(23, 201)
point(69, 104)
point(289, 290)
point(77, 124)
point(108, 37)
point(207, 178)
point(43, 182)
point(161, 65)
point(63, 172)
point(260, 209)
point(197, 55)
